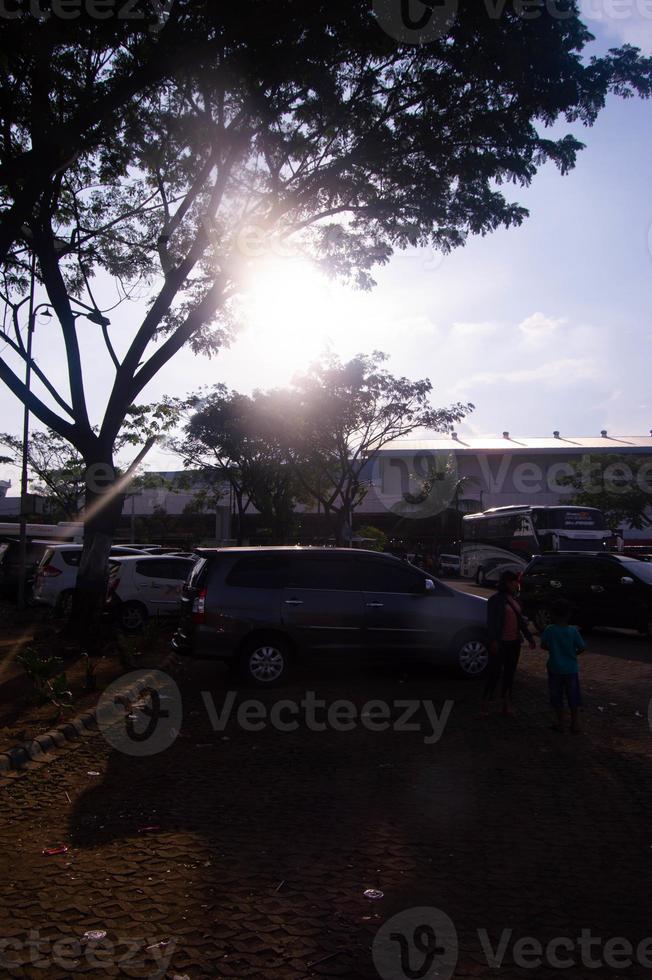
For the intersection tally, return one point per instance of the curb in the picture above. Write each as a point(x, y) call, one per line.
point(69, 731)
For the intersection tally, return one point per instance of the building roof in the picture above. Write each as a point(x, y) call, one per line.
point(555, 443)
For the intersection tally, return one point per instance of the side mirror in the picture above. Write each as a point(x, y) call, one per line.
point(626, 580)
point(428, 587)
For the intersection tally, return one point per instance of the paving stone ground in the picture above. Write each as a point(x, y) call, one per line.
point(265, 842)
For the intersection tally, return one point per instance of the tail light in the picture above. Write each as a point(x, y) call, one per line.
point(49, 571)
point(113, 585)
point(199, 607)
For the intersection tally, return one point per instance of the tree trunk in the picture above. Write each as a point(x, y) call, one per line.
point(241, 518)
point(102, 511)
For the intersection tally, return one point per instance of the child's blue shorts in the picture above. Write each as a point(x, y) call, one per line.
point(568, 684)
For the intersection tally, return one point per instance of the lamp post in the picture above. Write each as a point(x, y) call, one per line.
point(22, 546)
point(95, 317)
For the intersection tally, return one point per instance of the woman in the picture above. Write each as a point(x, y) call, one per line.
point(506, 626)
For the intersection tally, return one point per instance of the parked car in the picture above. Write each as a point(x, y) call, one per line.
point(603, 589)
point(10, 565)
point(262, 607)
point(145, 586)
point(491, 570)
point(56, 574)
point(449, 565)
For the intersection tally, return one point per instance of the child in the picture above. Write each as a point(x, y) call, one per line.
point(563, 643)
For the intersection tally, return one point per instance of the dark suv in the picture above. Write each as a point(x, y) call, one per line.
point(603, 589)
point(262, 606)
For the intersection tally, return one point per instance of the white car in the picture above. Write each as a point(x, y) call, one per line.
point(145, 586)
point(449, 564)
point(56, 574)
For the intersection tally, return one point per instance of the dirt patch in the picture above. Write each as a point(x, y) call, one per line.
point(23, 716)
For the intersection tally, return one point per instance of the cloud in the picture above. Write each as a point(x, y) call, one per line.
point(469, 329)
point(626, 20)
point(539, 327)
point(563, 372)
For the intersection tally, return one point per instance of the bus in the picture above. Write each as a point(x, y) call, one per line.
point(515, 534)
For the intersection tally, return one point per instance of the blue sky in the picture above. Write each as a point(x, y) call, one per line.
point(548, 326)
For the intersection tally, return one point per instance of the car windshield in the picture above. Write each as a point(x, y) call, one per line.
point(640, 569)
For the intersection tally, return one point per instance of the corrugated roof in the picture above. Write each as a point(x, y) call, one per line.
point(612, 444)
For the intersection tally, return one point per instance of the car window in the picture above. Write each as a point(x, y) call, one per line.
point(641, 570)
point(72, 557)
point(169, 568)
point(47, 555)
point(324, 572)
point(387, 576)
point(259, 572)
point(197, 572)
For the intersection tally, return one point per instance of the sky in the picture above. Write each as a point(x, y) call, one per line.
point(543, 327)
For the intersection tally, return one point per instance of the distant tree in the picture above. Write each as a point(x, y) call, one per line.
point(230, 434)
point(165, 150)
point(55, 470)
point(335, 419)
point(377, 539)
point(619, 485)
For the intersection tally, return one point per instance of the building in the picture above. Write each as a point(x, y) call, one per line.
point(417, 490)
point(417, 480)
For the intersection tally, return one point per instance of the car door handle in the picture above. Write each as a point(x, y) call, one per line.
point(597, 588)
point(375, 605)
point(293, 602)
point(555, 583)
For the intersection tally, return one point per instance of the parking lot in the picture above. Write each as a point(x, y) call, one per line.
point(246, 850)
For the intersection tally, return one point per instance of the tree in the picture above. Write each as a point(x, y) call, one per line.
point(164, 155)
point(231, 435)
point(55, 470)
point(335, 419)
point(617, 484)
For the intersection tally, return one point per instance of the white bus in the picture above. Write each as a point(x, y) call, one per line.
point(515, 534)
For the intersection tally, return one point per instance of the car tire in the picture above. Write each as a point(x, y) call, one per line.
point(471, 652)
point(479, 576)
point(265, 661)
point(64, 604)
point(132, 616)
point(542, 618)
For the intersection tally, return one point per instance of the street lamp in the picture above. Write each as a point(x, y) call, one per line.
point(95, 317)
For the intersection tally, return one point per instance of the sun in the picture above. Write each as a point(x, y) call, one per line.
point(292, 312)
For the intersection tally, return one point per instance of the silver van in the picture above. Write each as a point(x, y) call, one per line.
point(264, 607)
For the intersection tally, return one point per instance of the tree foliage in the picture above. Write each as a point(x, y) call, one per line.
point(334, 419)
point(230, 435)
point(617, 484)
point(55, 470)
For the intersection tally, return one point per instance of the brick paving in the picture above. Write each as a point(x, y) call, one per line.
point(265, 842)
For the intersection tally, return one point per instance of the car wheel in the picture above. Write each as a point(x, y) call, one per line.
point(542, 618)
point(265, 662)
point(480, 576)
point(472, 655)
point(132, 616)
point(64, 605)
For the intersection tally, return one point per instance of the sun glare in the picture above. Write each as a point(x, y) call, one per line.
point(291, 312)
